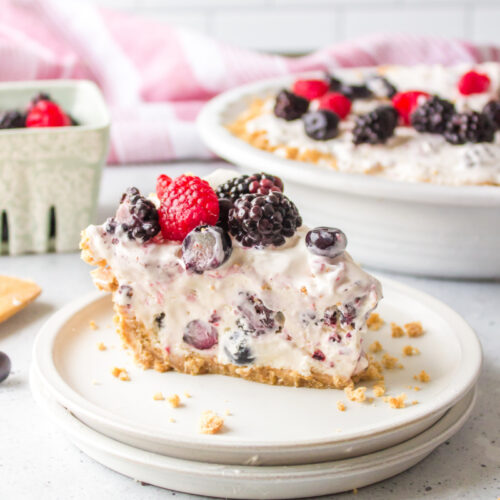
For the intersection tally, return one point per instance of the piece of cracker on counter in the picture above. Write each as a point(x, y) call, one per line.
point(15, 294)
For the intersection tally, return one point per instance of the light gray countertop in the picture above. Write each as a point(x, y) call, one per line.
point(38, 461)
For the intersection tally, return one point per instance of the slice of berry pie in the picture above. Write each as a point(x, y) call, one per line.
point(221, 276)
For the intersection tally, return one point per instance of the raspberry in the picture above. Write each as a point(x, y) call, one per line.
point(310, 89)
point(47, 114)
point(162, 184)
point(407, 102)
point(336, 102)
point(473, 82)
point(187, 202)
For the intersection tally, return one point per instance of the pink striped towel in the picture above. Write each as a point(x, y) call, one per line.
point(156, 77)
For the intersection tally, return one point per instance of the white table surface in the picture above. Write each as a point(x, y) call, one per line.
point(38, 462)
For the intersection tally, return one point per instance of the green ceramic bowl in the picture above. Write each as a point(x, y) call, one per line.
point(50, 177)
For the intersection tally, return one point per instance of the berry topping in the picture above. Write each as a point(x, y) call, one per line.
point(200, 334)
point(47, 114)
point(433, 115)
point(335, 102)
point(141, 223)
point(259, 318)
point(261, 220)
point(237, 349)
point(321, 125)
point(326, 241)
point(380, 87)
point(310, 89)
point(492, 111)
point(319, 355)
point(5, 366)
point(406, 102)
point(355, 91)
point(473, 82)
point(187, 202)
point(290, 106)
point(41, 96)
point(469, 127)
point(162, 184)
point(12, 119)
point(375, 127)
point(256, 184)
point(205, 248)
point(224, 206)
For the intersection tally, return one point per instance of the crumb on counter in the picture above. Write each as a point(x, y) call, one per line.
point(374, 322)
point(101, 346)
point(375, 347)
point(355, 491)
point(423, 376)
point(158, 396)
point(390, 362)
point(414, 329)
point(171, 420)
point(378, 390)
point(340, 406)
point(409, 350)
point(417, 388)
point(396, 330)
point(358, 394)
point(174, 400)
point(187, 395)
point(210, 423)
point(414, 402)
point(227, 413)
point(396, 402)
point(93, 325)
point(120, 373)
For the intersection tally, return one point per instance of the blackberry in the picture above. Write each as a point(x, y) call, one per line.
point(290, 106)
point(224, 206)
point(335, 83)
point(5, 366)
point(262, 220)
point(380, 87)
point(356, 91)
point(433, 115)
point(12, 119)
point(492, 111)
point(143, 223)
point(321, 125)
point(469, 127)
point(255, 184)
point(375, 127)
point(41, 96)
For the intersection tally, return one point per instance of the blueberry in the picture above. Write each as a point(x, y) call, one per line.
point(259, 318)
point(206, 247)
point(355, 91)
point(200, 334)
point(326, 241)
point(238, 350)
point(5, 366)
point(159, 319)
point(380, 86)
point(321, 125)
point(224, 206)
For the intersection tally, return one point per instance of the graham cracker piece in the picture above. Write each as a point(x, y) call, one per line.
point(210, 423)
point(15, 294)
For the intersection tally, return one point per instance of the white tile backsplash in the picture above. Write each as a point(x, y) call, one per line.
point(294, 26)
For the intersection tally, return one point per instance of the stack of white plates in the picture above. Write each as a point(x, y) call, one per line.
point(277, 442)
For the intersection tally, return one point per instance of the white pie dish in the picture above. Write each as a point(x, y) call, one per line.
point(416, 228)
point(248, 482)
point(67, 361)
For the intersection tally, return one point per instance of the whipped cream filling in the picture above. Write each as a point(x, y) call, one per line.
point(278, 307)
point(408, 155)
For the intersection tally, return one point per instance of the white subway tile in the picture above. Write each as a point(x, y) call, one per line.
point(486, 25)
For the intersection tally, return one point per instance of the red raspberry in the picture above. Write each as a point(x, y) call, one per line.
point(310, 89)
point(187, 203)
point(47, 114)
point(407, 102)
point(336, 102)
point(473, 82)
point(162, 184)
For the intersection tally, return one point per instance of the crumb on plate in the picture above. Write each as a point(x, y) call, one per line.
point(374, 322)
point(174, 400)
point(358, 394)
point(396, 330)
point(171, 420)
point(187, 395)
point(414, 329)
point(396, 402)
point(120, 373)
point(158, 396)
point(378, 390)
point(101, 346)
point(93, 325)
point(340, 406)
point(423, 376)
point(227, 413)
point(376, 346)
point(210, 423)
point(409, 350)
point(390, 362)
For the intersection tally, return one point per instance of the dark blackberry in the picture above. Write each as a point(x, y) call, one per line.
point(41, 96)
point(492, 111)
point(224, 206)
point(143, 224)
point(262, 220)
point(255, 184)
point(433, 115)
point(469, 127)
point(334, 82)
point(321, 125)
point(380, 87)
point(290, 106)
point(12, 119)
point(356, 91)
point(375, 127)
point(5, 366)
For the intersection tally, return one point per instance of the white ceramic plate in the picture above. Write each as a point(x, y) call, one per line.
point(268, 424)
point(248, 482)
point(406, 227)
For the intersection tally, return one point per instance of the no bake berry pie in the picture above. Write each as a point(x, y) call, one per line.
point(423, 123)
point(221, 276)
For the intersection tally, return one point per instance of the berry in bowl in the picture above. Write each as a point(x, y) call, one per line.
point(54, 139)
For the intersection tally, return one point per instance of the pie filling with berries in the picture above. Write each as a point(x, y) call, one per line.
point(419, 124)
point(221, 276)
